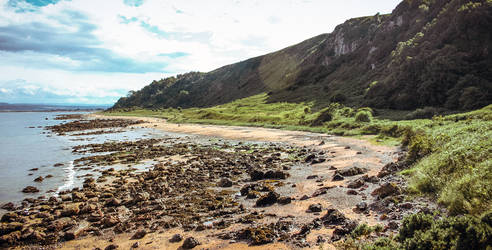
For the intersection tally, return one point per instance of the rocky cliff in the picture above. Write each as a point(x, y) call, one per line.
point(425, 53)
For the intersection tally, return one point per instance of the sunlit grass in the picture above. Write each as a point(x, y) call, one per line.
point(450, 156)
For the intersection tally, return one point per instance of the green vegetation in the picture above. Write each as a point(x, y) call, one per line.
point(450, 155)
point(424, 231)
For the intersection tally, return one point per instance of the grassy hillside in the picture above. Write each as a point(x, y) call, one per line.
point(425, 53)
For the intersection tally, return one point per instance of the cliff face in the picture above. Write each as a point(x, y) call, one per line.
point(426, 53)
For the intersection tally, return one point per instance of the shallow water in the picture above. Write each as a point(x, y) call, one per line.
point(25, 144)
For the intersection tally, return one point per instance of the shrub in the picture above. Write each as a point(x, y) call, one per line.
point(423, 231)
point(338, 97)
point(363, 116)
point(361, 229)
point(347, 112)
point(323, 116)
point(424, 113)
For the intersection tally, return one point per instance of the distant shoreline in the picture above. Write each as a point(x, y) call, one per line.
point(53, 110)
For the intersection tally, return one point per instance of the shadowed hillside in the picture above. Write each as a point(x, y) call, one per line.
point(425, 53)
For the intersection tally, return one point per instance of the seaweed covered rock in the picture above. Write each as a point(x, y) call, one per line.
point(269, 199)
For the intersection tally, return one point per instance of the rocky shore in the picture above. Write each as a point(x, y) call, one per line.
point(212, 193)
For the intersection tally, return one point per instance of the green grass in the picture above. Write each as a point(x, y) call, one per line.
point(450, 156)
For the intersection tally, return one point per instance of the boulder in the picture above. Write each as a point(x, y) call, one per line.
point(386, 189)
point(333, 217)
point(257, 175)
point(337, 177)
point(176, 238)
point(351, 171)
point(10, 217)
point(284, 200)
point(30, 189)
point(355, 184)
point(190, 243)
point(314, 208)
point(276, 175)
point(225, 182)
point(139, 234)
point(269, 199)
point(70, 210)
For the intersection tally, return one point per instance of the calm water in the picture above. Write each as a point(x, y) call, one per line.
point(23, 148)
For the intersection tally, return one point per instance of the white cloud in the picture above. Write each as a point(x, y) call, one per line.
point(209, 33)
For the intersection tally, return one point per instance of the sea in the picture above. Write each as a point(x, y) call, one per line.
point(25, 145)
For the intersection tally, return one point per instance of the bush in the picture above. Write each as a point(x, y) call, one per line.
point(323, 116)
point(423, 231)
point(338, 97)
point(363, 116)
point(424, 113)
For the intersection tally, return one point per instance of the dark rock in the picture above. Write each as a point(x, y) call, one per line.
point(304, 197)
point(309, 158)
point(361, 206)
point(176, 238)
point(332, 168)
point(30, 189)
point(284, 200)
point(113, 202)
point(111, 247)
point(355, 184)
point(370, 179)
point(225, 182)
point(6, 228)
point(8, 206)
point(386, 189)
point(337, 177)
point(139, 234)
point(268, 199)
point(314, 208)
point(70, 210)
point(10, 239)
point(333, 217)
point(351, 171)
point(10, 217)
point(109, 221)
point(39, 179)
point(276, 175)
point(65, 197)
point(78, 196)
point(252, 195)
point(136, 245)
point(312, 177)
point(352, 192)
point(257, 175)
point(321, 191)
point(190, 243)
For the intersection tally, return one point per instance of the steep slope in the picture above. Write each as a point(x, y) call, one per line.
point(426, 53)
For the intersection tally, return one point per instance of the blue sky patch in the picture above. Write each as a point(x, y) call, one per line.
point(174, 54)
point(133, 3)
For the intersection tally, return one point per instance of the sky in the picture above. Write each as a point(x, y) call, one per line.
point(95, 51)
